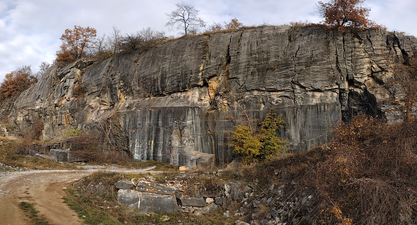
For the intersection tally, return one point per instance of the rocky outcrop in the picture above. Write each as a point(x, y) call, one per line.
point(190, 193)
point(173, 102)
point(179, 194)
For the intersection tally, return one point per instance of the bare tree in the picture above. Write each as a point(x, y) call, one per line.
point(103, 48)
point(101, 44)
point(215, 27)
point(149, 34)
point(114, 39)
point(108, 45)
point(185, 17)
point(42, 70)
point(143, 40)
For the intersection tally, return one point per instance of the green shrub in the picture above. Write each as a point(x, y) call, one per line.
point(259, 143)
point(73, 132)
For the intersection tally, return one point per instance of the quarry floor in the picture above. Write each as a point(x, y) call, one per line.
point(45, 189)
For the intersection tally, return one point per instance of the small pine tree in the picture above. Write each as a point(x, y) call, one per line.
point(268, 136)
point(256, 144)
point(246, 143)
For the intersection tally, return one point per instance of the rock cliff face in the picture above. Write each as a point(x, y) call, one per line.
point(173, 101)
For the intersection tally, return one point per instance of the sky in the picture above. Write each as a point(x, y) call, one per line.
point(30, 30)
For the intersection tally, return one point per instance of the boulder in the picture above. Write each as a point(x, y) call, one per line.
point(239, 222)
point(152, 202)
point(148, 202)
point(182, 168)
point(165, 218)
point(209, 200)
point(232, 190)
point(59, 155)
point(128, 197)
point(208, 209)
point(124, 184)
point(235, 191)
point(45, 156)
point(144, 186)
point(218, 201)
point(196, 159)
point(195, 202)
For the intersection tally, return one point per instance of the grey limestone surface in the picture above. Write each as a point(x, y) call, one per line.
point(174, 102)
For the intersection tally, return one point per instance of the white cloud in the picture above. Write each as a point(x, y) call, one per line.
point(397, 15)
point(3, 7)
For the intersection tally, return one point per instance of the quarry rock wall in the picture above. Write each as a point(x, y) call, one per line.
point(175, 102)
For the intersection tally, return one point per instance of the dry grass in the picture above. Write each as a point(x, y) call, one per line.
point(367, 175)
point(11, 154)
point(371, 173)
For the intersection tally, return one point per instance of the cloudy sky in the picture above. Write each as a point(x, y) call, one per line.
point(30, 29)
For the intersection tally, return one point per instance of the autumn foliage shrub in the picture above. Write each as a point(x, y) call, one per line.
point(16, 81)
point(233, 24)
point(88, 146)
point(341, 14)
point(75, 43)
point(371, 173)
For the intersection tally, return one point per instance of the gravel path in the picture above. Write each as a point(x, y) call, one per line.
point(44, 188)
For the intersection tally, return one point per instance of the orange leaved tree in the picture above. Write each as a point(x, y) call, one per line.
point(234, 24)
point(16, 81)
point(75, 44)
point(345, 13)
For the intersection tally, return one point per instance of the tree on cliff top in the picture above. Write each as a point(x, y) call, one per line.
point(345, 13)
point(75, 43)
point(234, 24)
point(16, 81)
point(185, 17)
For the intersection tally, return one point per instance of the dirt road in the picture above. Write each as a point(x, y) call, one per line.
point(44, 188)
